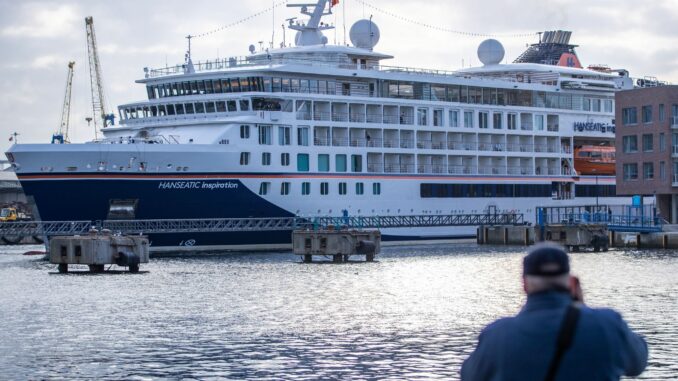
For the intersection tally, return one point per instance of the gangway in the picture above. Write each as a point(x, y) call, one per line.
point(223, 225)
point(617, 218)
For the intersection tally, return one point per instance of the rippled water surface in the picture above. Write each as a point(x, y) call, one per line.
point(414, 314)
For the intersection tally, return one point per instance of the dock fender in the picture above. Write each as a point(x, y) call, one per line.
point(126, 259)
point(366, 247)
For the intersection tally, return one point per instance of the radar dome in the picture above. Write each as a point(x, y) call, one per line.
point(364, 34)
point(490, 52)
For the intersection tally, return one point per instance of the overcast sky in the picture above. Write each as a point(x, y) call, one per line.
point(38, 38)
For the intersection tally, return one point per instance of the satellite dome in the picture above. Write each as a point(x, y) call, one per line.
point(490, 52)
point(364, 34)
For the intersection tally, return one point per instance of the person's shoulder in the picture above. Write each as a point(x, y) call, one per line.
point(498, 325)
point(606, 316)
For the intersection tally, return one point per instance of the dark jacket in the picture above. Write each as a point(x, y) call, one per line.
point(521, 348)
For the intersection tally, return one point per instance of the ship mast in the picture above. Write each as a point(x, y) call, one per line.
point(311, 32)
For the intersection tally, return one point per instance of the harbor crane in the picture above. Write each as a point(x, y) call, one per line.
point(96, 80)
point(61, 136)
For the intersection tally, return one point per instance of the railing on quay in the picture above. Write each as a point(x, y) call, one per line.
point(616, 217)
point(221, 225)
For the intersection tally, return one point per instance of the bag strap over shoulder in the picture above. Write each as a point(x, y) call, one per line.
point(564, 340)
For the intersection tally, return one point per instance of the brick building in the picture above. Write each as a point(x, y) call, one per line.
point(647, 146)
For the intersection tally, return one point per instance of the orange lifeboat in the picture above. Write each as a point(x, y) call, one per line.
point(594, 160)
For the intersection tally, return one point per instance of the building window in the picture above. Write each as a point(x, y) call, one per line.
point(324, 188)
point(285, 188)
point(359, 188)
point(511, 121)
point(284, 159)
point(340, 163)
point(376, 188)
point(302, 136)
point(305, 188)
point(662, 142)
point(265, 158)
point(244, 158)
point(630, 143)
point(647, 114)
point(648, 171)
point(496, 121)
point(284, 135)
point(662, 112)
point(265, 134)
point(244, 132)
point(629, 115)
point(356, 163)
point(302, 162)
point(630, 171)
point(323, 163)
point(662, 170)
point(454, 118)
point(264, 187)
point(342, 188)
point(482, 119)
point(421, 116)
point(437, 118)
point(647, 143)
point(468, 119)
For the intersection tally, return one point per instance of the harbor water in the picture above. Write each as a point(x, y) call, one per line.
point(414, 314)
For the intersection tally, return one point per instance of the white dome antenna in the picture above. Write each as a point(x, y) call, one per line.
point(364, 34)
point(490, 52)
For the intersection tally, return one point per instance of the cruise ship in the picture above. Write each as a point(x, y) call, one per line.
point(316, 129)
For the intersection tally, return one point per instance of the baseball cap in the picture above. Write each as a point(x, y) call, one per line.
point(546, 259)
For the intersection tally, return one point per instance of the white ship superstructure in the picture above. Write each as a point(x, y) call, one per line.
point(318, 129)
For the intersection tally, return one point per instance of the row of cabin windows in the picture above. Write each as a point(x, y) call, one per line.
point(127, 113)
point(486, 190)
point(389, 89)
point(265, 158)
point(341, 163)
point(342, 188)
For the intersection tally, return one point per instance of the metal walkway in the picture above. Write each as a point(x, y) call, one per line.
point(618, 218)
point(223, 225)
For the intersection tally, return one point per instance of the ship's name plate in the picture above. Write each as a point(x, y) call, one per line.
point(593, 127)
point(209, 185)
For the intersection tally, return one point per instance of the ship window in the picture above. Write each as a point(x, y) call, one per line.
point(235, 85)
point(266, 104)
point(244, 158)
point(376, 188)
point(149, 91)
point(539, 122)
point(421, 116)
point(199, 108)
point(225, 86)
point(180, 109)
point(511, 121)
point(342, 188)
point(340, 163)
point(302, 162)
point(201, 87)
point(302, 136)
point(221, 106)
point(264, 187)
point(217, 86)
point(284, 135)
point(305, 188)
point(231, 106)
point(323, 163)
point(468, 119)
point(161, 110)
point(154, 110)
point(294, 85)
point(324, 188)
point(356, 163)
point(175, 91)
point(496, 121)
point(313, 86)
point(209, 107)
point(454, 118)
point(170, 110)
point(359, 188)
point(194, 87)
point(208, 87)
point(285, 188)
point(264, 134)
point(244, 85)
point(244, 131)
point(265, 158)
point(437, 118)
point(244, 105)
point(189, 108)
point(285, 85)
point(482, 119)
point(331, 87)
point(284, 159)
point(595, 104)
point(267, 85)
point(276, 84)
point(608, 105)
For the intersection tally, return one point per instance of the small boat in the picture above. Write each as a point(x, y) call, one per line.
point(594, 160)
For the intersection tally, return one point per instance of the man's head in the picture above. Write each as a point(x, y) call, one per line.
point(546, 267)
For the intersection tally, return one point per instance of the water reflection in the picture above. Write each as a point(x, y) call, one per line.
point(414, 314)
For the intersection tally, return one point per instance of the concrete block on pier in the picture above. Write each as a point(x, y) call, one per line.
point(339, 244)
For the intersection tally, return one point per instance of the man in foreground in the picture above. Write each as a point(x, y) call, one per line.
point(555, 337)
